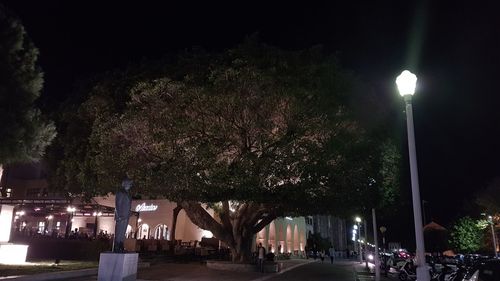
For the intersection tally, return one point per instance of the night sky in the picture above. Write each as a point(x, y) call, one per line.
point(453, 47)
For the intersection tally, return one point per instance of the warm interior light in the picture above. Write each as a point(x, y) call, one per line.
point(406, 83)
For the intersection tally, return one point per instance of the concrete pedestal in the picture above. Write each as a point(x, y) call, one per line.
point(118, 267)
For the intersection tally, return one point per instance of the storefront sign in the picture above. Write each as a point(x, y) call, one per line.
point(146, 208)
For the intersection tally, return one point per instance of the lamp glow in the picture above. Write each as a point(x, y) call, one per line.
point(406, 82)
point(13, 254)
point(358, 219)
point(207, 234)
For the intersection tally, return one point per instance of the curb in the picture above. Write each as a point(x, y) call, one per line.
point(54, 275)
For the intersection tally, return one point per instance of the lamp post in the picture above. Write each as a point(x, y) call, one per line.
point(358, 221)
point(71, 213)
point(376, 258)
point(406, 83)
point(490, 221)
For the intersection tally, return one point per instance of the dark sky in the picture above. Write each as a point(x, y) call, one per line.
point(453, 46)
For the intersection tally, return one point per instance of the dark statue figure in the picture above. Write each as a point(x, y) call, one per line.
point(123, 203)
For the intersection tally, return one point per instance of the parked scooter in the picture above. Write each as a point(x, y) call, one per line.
point(407, 271)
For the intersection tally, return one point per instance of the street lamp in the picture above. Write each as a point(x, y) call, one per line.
point(383, 229)
point(358, 221)
point(490, 219)
point(490, 222)
point(406, 83)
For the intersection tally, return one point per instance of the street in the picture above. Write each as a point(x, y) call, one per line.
point(316, 271)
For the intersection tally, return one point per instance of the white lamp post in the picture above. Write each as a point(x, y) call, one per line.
point(490, 220)
point(406, 83)
point(358, 221)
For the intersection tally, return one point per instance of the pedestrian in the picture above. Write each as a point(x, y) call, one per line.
point(322, 256)
point(331, 251)
point(261, 252)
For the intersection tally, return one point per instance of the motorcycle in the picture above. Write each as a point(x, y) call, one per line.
point(407, 271)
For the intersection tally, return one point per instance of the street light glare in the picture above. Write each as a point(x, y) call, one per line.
point(358, 219)
point(406, 83)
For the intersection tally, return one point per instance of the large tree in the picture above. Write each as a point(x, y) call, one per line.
point(24, 131)
point(253, 133)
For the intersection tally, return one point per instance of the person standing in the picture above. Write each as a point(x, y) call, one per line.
point(322, 256)
point(331, 252)
point(261, 252)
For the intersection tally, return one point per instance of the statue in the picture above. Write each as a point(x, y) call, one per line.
point(123, 203)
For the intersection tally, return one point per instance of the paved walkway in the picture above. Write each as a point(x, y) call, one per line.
point(198, 272)
point(299, 269)
point(366, 274)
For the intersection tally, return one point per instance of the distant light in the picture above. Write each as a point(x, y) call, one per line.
point(355, 227)
point(139, 220)
point(406, 83)
point(71, 209)
point(37, 209)
point(370, 257)
point(354, 239)
point(49, 217)
point(354, 231)
point(289, 218)
point(207, 234)
point(358, 219)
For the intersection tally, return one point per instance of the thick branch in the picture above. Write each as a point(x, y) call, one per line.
point(199, 216)
point(265, 221)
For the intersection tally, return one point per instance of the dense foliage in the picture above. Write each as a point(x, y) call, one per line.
point(24, 131)
point(255, 133)
point(467, 235)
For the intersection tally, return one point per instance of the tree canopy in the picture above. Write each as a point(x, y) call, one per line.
point(467, 235)
point(255, 132)
point(25, 132)
point(489, 198)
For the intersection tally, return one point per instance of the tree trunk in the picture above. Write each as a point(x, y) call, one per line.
point(236, 228)
point(174, 222)
point(241, 252)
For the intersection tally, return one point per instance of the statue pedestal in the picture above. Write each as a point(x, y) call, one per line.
point(118, 267)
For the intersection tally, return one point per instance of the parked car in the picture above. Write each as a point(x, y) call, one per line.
point(484, 271)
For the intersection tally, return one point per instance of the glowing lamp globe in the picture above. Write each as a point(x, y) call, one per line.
point(406, 82)
point(358, 219)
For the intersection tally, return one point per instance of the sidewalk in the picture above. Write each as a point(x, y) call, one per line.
point(199, 272)
point(364, 274)
point(170, 271)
